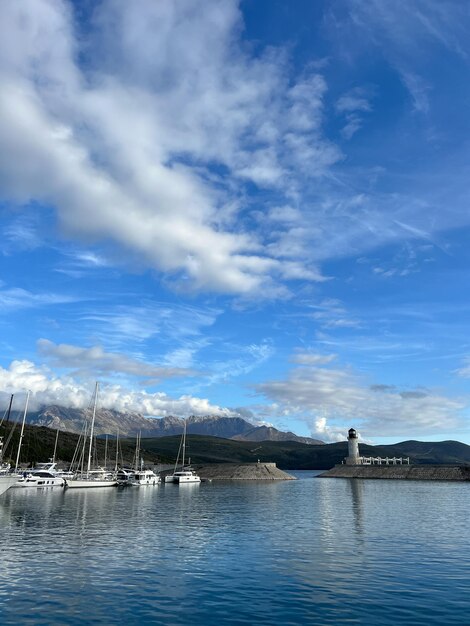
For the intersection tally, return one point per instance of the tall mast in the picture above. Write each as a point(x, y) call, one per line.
point(117, 450)
point(92, 429)
point(22, 431)
point(137, 451)
point(9, 409)
point(55, 445)
point(184, 442)
point(106, 452)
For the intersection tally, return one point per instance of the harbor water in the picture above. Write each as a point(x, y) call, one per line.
point(311, 551)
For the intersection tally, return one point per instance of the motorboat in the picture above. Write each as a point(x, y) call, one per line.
point(186, 475)
point(145, 477)
point(43, 475)
point(124, 476)
point(139, 475)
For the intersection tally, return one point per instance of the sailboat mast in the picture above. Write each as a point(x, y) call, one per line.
point(92, 429)
point(117, 451)
point(22, 432)
point(106, 452)
point(55, 445)
point(184, 441)
point(137, 451)
point(9, 408)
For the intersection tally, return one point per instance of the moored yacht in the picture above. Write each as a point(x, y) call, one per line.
point(91, 477)
point(124, 476)
point(145, 477)
point(43, 475)
point(186, 475)
point(94, 478)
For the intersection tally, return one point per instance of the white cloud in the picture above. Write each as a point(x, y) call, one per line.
point(338, 397)
point(121, 143)
point(15, 298)
point(47, 388)
point(464, 371)
point(96, 361)
point(309, 358)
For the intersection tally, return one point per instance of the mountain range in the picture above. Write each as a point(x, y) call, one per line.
point(109, 422)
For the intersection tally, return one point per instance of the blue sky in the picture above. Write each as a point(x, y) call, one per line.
point(254, 208)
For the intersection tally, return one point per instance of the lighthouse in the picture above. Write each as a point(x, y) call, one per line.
point(353, 457)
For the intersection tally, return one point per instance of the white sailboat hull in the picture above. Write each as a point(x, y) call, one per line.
point(7, 481)
point(84, 483)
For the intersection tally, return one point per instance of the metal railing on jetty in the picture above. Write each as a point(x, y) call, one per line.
point(379, 460)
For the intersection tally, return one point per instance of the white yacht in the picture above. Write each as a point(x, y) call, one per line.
point(125, 476)
point(186, 474)
point(43, 475)
point(145, 477)
point(137, 476)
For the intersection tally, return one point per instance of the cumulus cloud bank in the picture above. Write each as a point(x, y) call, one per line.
point(332, 400)
point(47, 388)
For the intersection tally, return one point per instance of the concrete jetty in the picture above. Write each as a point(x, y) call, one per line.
point(400, 472)
point(241, 471)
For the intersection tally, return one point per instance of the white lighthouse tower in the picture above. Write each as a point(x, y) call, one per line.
point(353, 457)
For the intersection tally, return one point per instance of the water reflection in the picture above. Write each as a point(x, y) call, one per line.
point(307, 551)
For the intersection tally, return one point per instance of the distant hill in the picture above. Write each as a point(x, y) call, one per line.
point(297, 455)
point(38, 445)
point(130, 424)
point(268, 433)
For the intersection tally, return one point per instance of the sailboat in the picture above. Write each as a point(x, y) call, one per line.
point(142, 476)
point(138, 475)
point(186, 474)
point(91, 477)
point(7, 479)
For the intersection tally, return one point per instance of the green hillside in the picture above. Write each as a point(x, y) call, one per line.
point(38, 445)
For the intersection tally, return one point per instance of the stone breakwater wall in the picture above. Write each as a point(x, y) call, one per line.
point(242, 471)
point(400, 472)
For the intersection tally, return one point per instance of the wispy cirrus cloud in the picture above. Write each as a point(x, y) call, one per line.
point(16, 298)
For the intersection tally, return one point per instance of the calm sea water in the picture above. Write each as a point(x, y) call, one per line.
point(311, 551)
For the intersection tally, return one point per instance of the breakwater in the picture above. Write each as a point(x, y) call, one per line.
point(241, 471)
point(400, 472)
